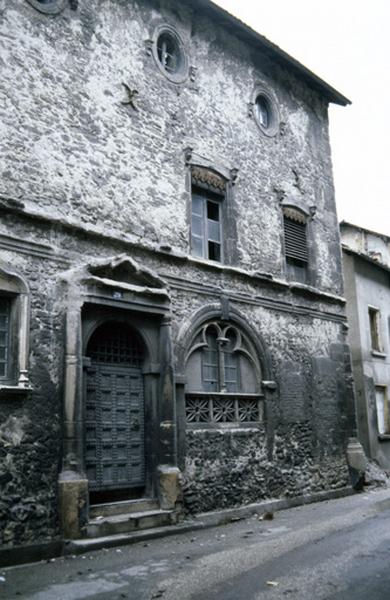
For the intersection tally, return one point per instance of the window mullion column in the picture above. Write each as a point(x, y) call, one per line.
point(221, 368)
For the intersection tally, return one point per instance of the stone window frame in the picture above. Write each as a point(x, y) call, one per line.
point(182, 73)
point(209, 175)
point(53, 8)
point(211, 243)
point(374, 324)
point(271, 102)
point(297, 208)
point(15, 289)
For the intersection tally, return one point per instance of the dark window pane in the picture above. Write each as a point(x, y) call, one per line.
point(263, 111)
point(168, 52)
point(213, 211)
point(214, 251)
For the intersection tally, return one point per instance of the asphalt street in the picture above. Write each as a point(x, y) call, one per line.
point(333, 550)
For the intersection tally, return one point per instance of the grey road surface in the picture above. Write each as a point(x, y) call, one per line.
point(335, 550)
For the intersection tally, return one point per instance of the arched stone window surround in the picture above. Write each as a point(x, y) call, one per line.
point(14, 288)
point(185, 346)
point(213, 312)
point(51, 8)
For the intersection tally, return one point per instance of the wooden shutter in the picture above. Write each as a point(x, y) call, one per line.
point(295, 240)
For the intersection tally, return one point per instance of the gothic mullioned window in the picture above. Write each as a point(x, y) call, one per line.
point(223, 377)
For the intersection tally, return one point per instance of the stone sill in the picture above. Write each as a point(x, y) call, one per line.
point(14, 391)
point(222, 427)
point(378, 354)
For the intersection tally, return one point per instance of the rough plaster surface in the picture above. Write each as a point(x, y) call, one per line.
point(72, 151)
point(72, 148)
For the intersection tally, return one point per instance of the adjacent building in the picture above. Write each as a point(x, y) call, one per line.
point(172, 321)
point(366, 257)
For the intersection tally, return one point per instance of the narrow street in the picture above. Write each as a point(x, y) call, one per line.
point(334, 550)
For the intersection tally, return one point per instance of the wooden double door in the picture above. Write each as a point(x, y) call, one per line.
point(114, 412)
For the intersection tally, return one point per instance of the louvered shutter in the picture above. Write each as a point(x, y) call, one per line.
point(295, 240)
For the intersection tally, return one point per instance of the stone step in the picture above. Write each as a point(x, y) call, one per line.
point(128, 522)
point(125, 507)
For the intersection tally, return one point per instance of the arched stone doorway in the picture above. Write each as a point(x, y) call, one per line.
point(114, 400)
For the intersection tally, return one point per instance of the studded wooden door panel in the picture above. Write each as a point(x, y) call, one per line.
point(115, 455)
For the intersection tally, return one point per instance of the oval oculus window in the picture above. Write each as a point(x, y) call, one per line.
point(169, 54)
point(265, 112)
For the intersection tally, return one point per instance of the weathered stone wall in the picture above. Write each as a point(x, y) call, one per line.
point(308, 420)
point(232, 467)
point(102, 179)
point(30, 428)
point(71, 148)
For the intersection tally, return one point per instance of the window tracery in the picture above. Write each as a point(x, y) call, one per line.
point(223, 377)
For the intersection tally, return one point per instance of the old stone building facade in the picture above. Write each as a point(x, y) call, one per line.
point(366, 259)
point(172, 325)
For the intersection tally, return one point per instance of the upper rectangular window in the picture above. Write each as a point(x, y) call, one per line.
point(206, 224)
point(295, 248)
point(374, 320)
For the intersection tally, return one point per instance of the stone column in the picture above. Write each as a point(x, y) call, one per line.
point(73, 484)
point(23, 337)
point(168, 473)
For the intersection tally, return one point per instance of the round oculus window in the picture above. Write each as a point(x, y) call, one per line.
point(48, 6)
point(266, 113)
point(169, 54)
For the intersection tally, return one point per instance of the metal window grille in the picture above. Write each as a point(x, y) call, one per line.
point(113, 343)
point(223, 408)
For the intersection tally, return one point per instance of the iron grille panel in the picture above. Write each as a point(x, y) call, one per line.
point(114, 344)
point(223, 408)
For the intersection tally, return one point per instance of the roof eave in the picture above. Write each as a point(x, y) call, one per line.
point(326, 90)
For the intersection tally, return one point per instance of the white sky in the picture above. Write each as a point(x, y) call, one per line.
point(346, 43)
